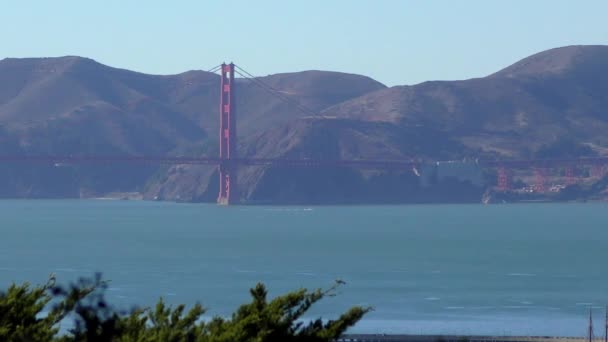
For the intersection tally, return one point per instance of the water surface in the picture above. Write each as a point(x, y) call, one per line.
point(502, 269)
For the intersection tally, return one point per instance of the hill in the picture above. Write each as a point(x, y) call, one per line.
point(74, 105)
point(554, 95)
point(551, 104)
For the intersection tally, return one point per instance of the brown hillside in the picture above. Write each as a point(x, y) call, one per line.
point(552, 104)
point(74, 105)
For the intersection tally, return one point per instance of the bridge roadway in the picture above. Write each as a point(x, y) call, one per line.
point(457, 338)
point(357, 163)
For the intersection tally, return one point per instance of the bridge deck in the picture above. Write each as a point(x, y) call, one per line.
point(356, 163)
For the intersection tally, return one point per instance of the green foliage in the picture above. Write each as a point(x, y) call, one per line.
point(279, 319)
point(21, 311)
point(20, 307)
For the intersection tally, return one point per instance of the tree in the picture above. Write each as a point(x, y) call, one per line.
point(21, 311)
point(280, 319)
point(261, 320)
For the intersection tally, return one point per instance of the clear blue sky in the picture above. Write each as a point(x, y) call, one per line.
point(393, 41)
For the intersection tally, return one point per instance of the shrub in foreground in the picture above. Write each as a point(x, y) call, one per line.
point(22, 317)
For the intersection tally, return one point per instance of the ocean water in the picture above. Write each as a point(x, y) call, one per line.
point(529, 269)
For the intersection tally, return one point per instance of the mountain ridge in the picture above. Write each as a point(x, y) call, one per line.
point(80, 106)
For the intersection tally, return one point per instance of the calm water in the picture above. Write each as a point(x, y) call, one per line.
point(504, 269)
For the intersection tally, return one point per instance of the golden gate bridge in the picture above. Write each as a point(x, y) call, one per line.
point(228, 161)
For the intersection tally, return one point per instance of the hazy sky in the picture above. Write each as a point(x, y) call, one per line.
point(393, 41)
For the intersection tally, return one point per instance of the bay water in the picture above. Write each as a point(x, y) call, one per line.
point(526, 269)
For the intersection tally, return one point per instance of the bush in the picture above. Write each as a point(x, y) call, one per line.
point(279, 319)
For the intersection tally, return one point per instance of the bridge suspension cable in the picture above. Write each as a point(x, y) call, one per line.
point(271, 90)
point(215, 68)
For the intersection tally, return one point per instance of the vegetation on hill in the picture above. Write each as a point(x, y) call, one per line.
point(33, 313)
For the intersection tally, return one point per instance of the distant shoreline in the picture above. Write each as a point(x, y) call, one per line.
point(457, 338)
point(341, 204)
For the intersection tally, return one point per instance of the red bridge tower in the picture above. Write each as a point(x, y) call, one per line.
point(227, 167)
